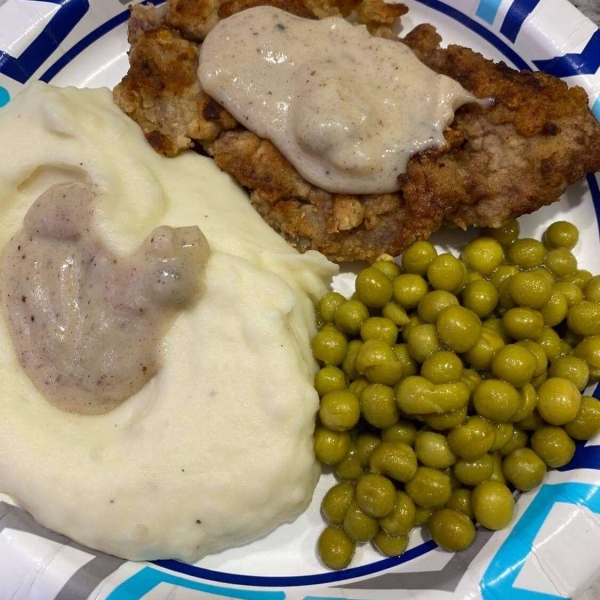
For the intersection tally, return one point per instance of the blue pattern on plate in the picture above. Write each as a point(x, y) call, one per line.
point(4, 96)
point(504, 568)
point(35, 55)
point(516, 16)
point(586, 62)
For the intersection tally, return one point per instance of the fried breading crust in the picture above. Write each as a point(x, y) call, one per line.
point(500, 161)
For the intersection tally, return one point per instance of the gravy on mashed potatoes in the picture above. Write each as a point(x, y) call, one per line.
point(84, 322)
point(213, 451)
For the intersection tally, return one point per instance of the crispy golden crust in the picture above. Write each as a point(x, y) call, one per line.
point(499, 162)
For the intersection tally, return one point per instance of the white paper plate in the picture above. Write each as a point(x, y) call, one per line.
point(551, 550)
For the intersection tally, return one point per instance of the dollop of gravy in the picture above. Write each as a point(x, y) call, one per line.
point(85, 323)
point(347, 109)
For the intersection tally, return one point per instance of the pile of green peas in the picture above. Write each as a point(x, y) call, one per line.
point(446, 380)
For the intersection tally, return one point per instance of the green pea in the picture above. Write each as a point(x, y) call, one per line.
point(418, 257)
point(447, 420)
point(461, 501)
point(433, 303)
point(349, 362)
point(531, 290)
point(541, 360)
point(473, 438)
point(506, 234)
point(523, 323)
point(550, 342)
point(379, 328)
point(497, 474)
point(531, 422)
point(561, 262)
point(336, 502)
point(505, 300)
point(388, 267)
point(572, 368)
point(376, 495)
point(394, 459)
point(495, 325)
point(524, 469)
point(493, 505)
point(528, 395)
point(592, 289)
point(389, 545)
point(580, 278)
point(561, 234)
point(366, 442)
point(446, 272)
point(388, 373)
point(537, 381)
point(480, 296)
point(409, 364)
point(418, 396)
point(358, 386)
point(373, 287)
point(423, 514)
point(496, 400)
point(502, 273)
point(349, 467)
point(589, 350)
point(329, 346)
point(570, 291)
point(584, 318)
point(545, 273)
point(487, 346)
point(413, 321)
point(526, 253)
point(514, 364)
point(350, 316)
point(519, 439)
point(432, 450)
point(395, 313)
point(340, 410)
point(559, 401)
point(378, 405)
point(504, 433)
point(471, 378)
point(423, 342)
point(472, 276)
point(329, 379)
point(373, 352)
point(409, 289)
point(402, 431)
point(335, 548)
point(330, 446)
point(555, 310)
point(587, 422)
point(328, 304)
point(483, 255)
point(442, 367)
point(553, 446)
point(472, 472)
point(358, 525)
point(401, 519)
point(451, 529)
point(429, 487)
point(458, 328)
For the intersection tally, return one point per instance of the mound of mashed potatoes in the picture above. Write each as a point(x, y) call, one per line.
point(216, 449)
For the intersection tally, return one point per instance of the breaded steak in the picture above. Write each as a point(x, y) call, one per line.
point(499, 162)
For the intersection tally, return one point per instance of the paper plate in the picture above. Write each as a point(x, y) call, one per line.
point(551, 549)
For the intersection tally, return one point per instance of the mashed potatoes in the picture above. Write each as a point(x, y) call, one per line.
point(216, 449)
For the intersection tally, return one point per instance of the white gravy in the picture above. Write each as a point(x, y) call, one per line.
point(85, 323)
point(347, 109)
